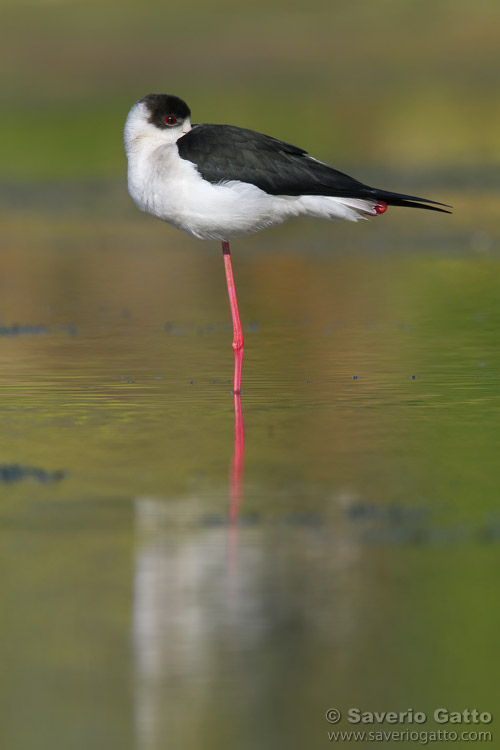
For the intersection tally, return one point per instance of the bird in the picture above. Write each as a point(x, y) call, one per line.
point(219, 182)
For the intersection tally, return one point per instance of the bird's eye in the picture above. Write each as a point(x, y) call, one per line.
point(170, 120)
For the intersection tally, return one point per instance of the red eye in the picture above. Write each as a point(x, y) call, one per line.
point(170, 120)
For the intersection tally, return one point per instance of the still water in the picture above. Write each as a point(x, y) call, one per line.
point(170, 581)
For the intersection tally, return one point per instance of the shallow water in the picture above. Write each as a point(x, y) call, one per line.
point(165, 586)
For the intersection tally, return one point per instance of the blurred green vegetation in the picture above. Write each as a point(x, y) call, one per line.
point(393, 82)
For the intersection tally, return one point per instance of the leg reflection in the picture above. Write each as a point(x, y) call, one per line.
point(236, 484)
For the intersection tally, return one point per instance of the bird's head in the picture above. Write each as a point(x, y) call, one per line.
point(155, 120)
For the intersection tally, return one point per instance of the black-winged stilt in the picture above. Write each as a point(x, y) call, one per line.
point(217, 182)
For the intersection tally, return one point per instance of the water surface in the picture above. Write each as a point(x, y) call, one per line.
point(156, 595)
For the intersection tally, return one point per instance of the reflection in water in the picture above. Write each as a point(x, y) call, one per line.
point(370, 504)
point(236, 479)
point(213, 631)
point(222, 599)
point(236, 489)
point(172, 606)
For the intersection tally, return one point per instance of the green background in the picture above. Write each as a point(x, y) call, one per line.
point(394, 82)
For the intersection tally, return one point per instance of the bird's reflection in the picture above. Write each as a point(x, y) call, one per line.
point(217, 591)
point(181, 563)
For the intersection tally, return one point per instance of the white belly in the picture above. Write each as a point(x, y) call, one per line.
point(172, 189)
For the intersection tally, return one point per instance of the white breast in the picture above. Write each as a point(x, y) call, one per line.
point(172, 189)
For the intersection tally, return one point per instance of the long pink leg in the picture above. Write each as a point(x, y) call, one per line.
point(238, 341)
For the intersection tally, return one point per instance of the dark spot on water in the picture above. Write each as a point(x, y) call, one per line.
point(394, 524)
point(175, 330)
point(369, 512)
point(413, 377)
point(356, 377)
point(391, 524)
point(213, 520)
point(23, 330)
point(14, 330)
point(252, 327)
point(489, 531)
point(10, 473)
point(127, 313)
point(304, 519)
point(252, 518)
point(70, 329)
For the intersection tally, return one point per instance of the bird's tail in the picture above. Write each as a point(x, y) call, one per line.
point(399, 199)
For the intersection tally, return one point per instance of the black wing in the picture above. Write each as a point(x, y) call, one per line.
point(226, 152)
